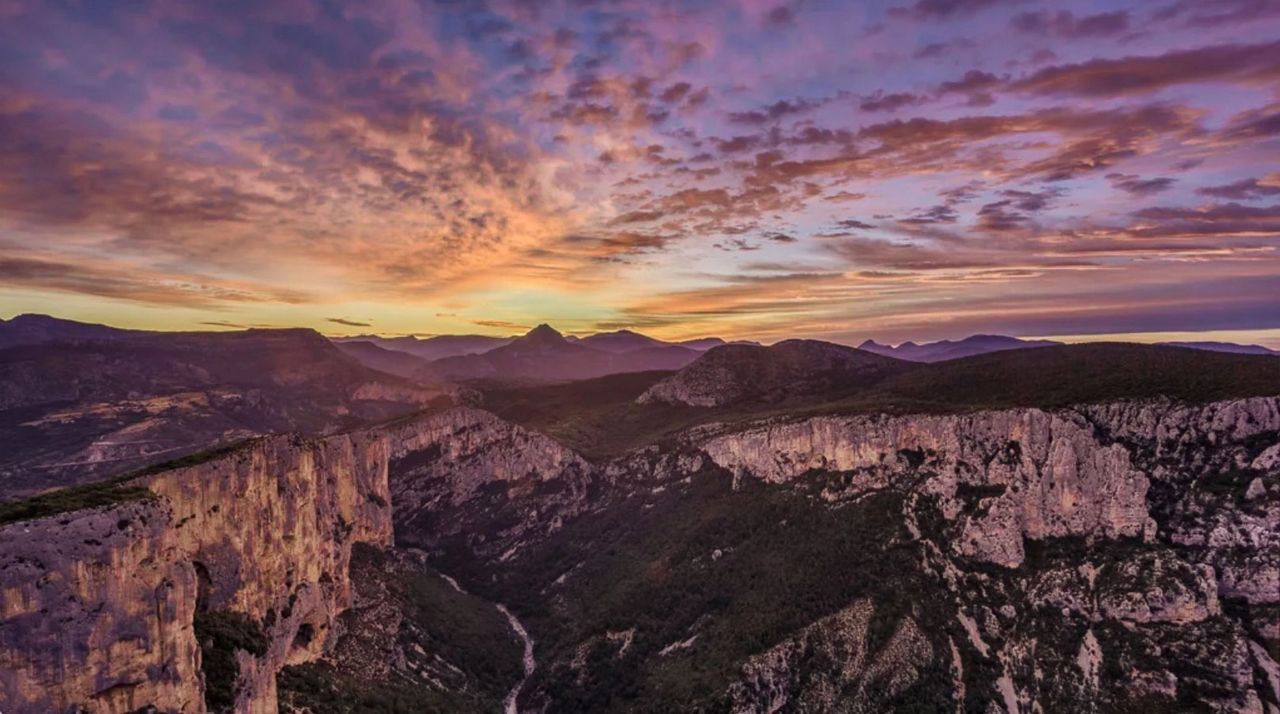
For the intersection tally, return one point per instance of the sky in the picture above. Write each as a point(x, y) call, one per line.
point(907, 169)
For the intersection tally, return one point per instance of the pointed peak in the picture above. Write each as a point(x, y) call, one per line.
point(543, 329)
point(543, 333)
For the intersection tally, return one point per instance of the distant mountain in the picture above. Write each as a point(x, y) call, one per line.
point(736, 374)
point(401, 364)
point(703, 344)
point(948, 349)
point(73, 412)
point(621, 341)
point(43, 329)
point(545, 355)
point(629, 341)
point(432, 348)
point(1225, 347)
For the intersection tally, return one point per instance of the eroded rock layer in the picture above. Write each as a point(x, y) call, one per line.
point(99, 605)
point(1122, 557)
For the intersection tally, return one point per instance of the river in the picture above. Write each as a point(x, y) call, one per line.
point(510, 704)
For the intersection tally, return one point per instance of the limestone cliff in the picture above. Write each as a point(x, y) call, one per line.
point(1141, 537)
point(465, 473)
point(1042, 474)
point(95, 611)
point(98, 605)
point(1124, 555)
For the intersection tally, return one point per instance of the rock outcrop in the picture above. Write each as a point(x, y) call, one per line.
point(463, 470)
point(1121, 555)
point(829, 666)
point(96, 611)
point(98, 605)
point(1037, 474)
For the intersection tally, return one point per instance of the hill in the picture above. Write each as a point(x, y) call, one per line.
point(73, 412)
point(601, 418)
point(432, 348)
point(544, 355)
point(43, 329)
point(785, 372)
point(621, 341)
point(948, 349)
point(1225, 347)
point(400, 364)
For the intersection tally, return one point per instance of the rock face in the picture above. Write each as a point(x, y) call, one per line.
point(1143, 537)
point(96, 611)
point(1120, 557)
point(826, 667)
point(463, 470)
point(1039, 474)
point(98, 605)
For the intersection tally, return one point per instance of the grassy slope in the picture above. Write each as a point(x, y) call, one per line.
point(599, 417)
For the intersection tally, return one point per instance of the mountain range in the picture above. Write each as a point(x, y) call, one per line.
point(802, 526)
point(543, 354)
point(84, 402)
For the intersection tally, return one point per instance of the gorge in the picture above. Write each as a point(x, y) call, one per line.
point(1126, 551)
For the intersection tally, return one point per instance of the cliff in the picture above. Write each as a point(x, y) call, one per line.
point(1044, 473)
point(1124, 555)
point(1143, 537)
point(100, 606)
point(467, 474)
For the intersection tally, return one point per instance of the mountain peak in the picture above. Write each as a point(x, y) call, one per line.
point(543, 335)
point(543, 332)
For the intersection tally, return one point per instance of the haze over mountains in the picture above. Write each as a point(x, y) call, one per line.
point(79, 402)
point(616, 523)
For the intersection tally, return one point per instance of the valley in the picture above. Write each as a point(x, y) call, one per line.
point(821, 530)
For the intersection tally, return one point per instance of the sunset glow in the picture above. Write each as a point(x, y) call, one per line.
point(896, 170)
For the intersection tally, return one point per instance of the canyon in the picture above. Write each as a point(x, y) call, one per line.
point(1120, 553)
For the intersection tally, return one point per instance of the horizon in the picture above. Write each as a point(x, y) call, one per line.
point(1270, 340)
point(750, 170)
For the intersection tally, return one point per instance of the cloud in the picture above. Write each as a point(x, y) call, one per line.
point(939, 49)
point(775, 111)
point(780, 16)
point(1064, 23)
point(109, 280)
point(1255, 63)
point(1138, 186)
point(387, 160)
point(1220, 219)
point(943, 9)
point(882, 102)
point(736, 245)
point(349, 323)
point(1245, 189)
point(1203, 14)
point(502, 325)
